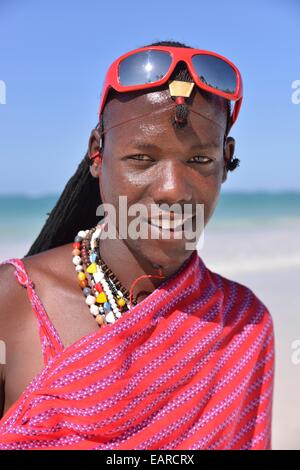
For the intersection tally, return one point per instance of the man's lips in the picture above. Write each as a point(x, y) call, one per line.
point(168, 223)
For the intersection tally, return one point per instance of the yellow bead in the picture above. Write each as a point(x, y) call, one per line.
point(92, 268)
point(81, 276)
point(121, 302)
point(101, 298)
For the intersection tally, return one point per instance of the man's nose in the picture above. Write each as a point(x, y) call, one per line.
point(172, 184)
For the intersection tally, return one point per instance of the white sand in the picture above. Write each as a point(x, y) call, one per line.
point(13, 250)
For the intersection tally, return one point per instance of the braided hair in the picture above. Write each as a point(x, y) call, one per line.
point(77, 205)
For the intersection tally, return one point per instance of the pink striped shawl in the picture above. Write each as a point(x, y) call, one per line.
point(190, 367)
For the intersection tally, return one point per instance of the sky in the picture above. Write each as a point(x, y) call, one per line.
point(54, 56)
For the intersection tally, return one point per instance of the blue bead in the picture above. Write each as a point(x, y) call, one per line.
point(93, 257)
point(87, 291)
point(107, 306)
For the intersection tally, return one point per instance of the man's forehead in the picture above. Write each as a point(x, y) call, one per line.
point(150, 116)
point(142, 143)
point(146, 134)
point(141, 102)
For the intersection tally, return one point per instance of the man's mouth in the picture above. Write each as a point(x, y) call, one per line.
point(170, 225)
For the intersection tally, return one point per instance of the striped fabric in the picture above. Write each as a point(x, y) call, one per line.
point(190, 367)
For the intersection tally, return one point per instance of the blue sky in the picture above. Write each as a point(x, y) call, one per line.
point(54, 55)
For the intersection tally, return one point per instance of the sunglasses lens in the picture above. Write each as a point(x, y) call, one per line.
point(215, 72)
point(144, 67)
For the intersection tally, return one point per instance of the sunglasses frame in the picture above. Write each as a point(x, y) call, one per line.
point(177, 54)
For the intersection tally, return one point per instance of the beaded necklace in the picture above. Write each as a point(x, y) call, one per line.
point(104, 294)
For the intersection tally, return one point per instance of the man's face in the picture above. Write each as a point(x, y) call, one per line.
point(152, 163)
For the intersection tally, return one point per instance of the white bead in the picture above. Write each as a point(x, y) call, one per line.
point(110, 318)
point(115, 309)
point(118, 314)
point(94, 310)
point(81, 234)
point(110, 296)
point(90, 300)
point(76, 260)
point(94, 237)
point(120, 293)
point(79, 268)
point(98, 276)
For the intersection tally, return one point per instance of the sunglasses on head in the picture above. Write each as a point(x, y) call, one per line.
point(149, 67)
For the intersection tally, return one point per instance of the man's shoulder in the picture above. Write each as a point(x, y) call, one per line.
point(49, 261)
point(239, 300)
point(42, 267)
point(50, 267)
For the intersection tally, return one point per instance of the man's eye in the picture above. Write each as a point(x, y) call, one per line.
point(200, 159)
point(141, 158)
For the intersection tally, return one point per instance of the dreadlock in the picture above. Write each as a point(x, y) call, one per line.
point(77, 205)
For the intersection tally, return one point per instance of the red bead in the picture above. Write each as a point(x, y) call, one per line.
point(98, 287)
point(180, 100)
point(76, 245)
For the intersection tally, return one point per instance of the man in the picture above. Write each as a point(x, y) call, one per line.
point(190, 365)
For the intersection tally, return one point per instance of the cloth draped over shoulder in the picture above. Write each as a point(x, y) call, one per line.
point(189, 367)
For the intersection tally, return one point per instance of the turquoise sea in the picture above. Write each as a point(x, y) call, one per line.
point(261, 208)
point(22, 216)
point(248, 231)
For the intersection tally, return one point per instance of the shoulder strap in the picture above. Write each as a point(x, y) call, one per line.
point(50, 339)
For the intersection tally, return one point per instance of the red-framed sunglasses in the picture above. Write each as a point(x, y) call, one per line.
point(152, 66)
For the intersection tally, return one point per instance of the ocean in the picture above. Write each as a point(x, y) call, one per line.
point(252, 228)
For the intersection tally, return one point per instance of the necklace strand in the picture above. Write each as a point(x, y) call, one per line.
point(104, 294)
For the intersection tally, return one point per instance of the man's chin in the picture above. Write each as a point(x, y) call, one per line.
point(162, 253)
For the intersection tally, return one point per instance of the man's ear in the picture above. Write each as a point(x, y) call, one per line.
point(228, 152)
point(93, 149)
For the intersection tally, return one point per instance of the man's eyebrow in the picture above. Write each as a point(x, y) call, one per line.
point(149, 146)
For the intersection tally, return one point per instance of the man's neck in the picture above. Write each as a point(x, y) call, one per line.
point(127, 267)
